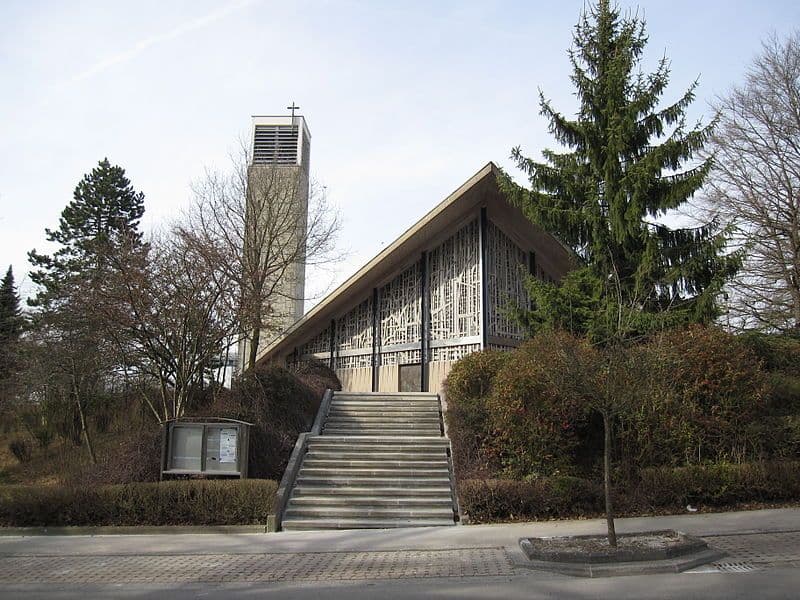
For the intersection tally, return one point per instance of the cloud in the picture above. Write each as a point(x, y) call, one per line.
point(148, 42)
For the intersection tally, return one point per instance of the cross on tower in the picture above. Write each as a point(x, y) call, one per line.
point(293, 107)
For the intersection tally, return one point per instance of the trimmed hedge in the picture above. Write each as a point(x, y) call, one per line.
point(662, 489)
point(186, 502)
point(493, 500)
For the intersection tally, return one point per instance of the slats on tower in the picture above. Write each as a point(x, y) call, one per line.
point(275, 144)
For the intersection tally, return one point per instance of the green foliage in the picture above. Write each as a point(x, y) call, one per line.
point(707, 392)
point(687, 396)
point(631, 162)
point(187, 502)
point(11, 322)
point(660, 488)
point(491, 500)
point(535, 419)
point(721, 484)
point(778, 352)
point(104, 215)
point(467, 390)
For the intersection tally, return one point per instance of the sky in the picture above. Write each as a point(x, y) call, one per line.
point(405, 101)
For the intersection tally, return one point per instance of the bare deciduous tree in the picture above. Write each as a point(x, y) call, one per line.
point(173, 316)
point(755, 186)
point(254, 220)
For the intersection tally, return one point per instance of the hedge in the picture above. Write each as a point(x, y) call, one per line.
point(660, 489)
point(184, 502)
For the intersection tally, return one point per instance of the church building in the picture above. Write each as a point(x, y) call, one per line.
point(438, 292)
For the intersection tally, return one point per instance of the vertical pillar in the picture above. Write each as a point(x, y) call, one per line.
point(333, 344)
point(483, 234)
point(425, 318)
point(376, 355)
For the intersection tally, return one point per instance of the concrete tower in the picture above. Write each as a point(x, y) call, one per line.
point(277, 204)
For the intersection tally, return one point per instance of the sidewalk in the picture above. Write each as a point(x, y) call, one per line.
point(367, 540)
point(754, 540)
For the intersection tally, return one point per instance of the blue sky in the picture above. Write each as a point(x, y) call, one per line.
point(404, 100)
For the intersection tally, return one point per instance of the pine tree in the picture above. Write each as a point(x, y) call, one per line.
point(630, 162)
point(104, 214)
point(10, 325)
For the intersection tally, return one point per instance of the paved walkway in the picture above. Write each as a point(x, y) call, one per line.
point(753, 540)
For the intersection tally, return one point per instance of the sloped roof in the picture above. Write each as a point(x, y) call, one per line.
point(478, 190)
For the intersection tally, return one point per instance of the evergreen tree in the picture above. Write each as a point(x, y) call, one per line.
point(629, 163)
point(97, 233)
point(103, 217)
point(10, 325)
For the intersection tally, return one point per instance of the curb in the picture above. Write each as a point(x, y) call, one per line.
point(130, 530)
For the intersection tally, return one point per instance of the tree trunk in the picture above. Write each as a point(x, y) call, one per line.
point(251, 359)
point(612, 534)
point(89, 447)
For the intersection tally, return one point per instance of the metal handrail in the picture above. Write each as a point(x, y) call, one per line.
point(295, 461)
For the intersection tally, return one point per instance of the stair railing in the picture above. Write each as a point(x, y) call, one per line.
point(275, 518)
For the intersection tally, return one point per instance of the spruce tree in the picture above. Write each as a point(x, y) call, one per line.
point(10, 325)
point(103, 217)
point(629, 163)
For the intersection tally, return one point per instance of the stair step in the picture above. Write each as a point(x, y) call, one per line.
point(376, 471)
point(339, 463)
point(398, 418)
point(371, 491)
point(374, 431)
point(371, 481)
point(304, 524)
point(374, 500)
point(374, 454)
point(361, 512)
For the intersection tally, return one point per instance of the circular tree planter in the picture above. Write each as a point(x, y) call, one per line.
point(636, 553)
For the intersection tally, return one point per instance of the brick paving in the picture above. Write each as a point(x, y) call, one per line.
point(223, 568)
point(759, 549)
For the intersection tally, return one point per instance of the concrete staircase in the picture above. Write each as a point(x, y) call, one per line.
point(381, 461)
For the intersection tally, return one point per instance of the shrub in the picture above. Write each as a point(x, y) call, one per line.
point(21, 450)
point(281, 403)
point(720, 484)
point(188, 502)
point(535, 416)
point(662, 489)
point(488, 500)
point(132, 457)
point(467, 390)
point(707, 389)
point(777, 352)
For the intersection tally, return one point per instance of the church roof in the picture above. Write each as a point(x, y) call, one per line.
point(479, 190)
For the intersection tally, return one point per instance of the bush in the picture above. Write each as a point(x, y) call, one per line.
point(281, 403)
point(661, 489)
point(708, 388)
point(188, 502)
point(467, 390)
point(720, 484)
point(536, 418)
point(21, 450)
point(490, 500)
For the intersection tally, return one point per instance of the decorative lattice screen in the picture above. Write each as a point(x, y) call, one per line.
point(455, 285)
point(453, 352)
point(354, 329)
point(401, 358)
point(400, 308)
point(505, 270)
point(321, 343)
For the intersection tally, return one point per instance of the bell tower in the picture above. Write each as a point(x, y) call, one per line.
point(276, 221)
